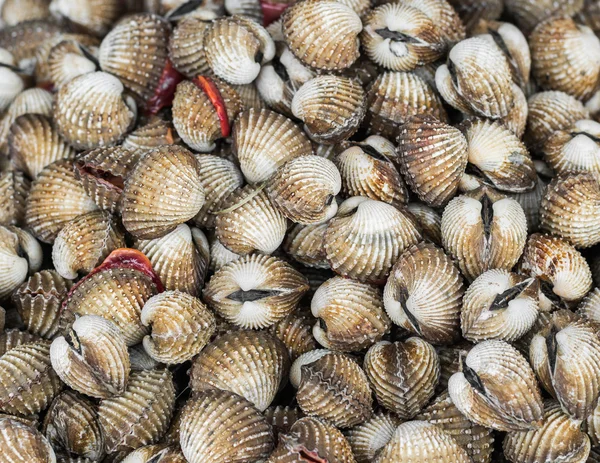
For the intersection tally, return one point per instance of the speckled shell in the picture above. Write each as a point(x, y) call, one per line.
point(574, 148)
point(135, 51)
point(528, 13)
point(12, 83)
point(11, 338)
point(334, 388)
point(95, 16)
point(366, 237)
point(432, 157)
point(180, 325)
point(156, 454)
point(591, 427)
point(305, 244)
point(155, 133)
point(558, 439)
point(14, 188)
point(350, 315)
point(222, 426)
point(368, 438)
point(23, 444)
point(34, 143)
point(429, 220)
point(530, 201)
point(295, 331)
point(30, 101)
point(323, 34)
point(185, 47)
point(66, 61)
point(162, 191)
point(282, 418)
point(141, 415)
point(13, 267)
point(492, 373)
point(220, 255)
point(255, 291)
point(590, 306)
point(424, 292)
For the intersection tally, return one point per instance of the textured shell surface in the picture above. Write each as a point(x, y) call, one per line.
point(95, 16)
point(282, 418)
point(12, 83)
point(13, 267)
point(527, 13)
point(68, 60)
point(305, 244)
point(185, 50)
point(21, 443)
point(368, 438)
point(14, 188)
point(295, 331)
point(574, 149)
point(158, 453)
point(30, 101)
point(155, 132)
point(429, 220)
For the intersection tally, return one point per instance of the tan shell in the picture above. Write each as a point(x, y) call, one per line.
point(591, 427)
point(156, 454)
point(162, 191)
point(558, 439)
point(95, 16)
point(382, 232)
point(429, 220)
point(305, 244)
point(527, 13)
point(255, 291)
point(590, 306)
point(16, 11)
point(492, 373)
point(14, 188)
point(282, 418)
point(368, 439)
point(155, 133)
point(23, 444)
point(180, 324)
point(295, 331)
point(530, 201)
point(11, 338)
point(68, 60)
point(222, 426)
point(30, 101)
point(141, 415)
point(15, 242)
point(432, 157)
point(350, 315)
point(323, 34)
point(12, 83)
point(574, 149)
point(220, 255)
point(424, 292)
point(186, 49)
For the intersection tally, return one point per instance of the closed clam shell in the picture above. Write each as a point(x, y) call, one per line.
point(39, 300)
point(185, 47)
point(516, 119)
point(84, 242)
point(154, 133)
point(432, 157)
point(34, 142)
point(424, 292)
point(162, 191)
point(264, 140)
point(492, 372)
point(251, 364)
point(395, 96)
point(23, 444)
point(14, 12)
point(574, 149)
point(68, 60)
point(180, 324)
point(305, 244)
point(530, 201)
point(28, 383)
point(12, 83)
point(72, 423)
point(558, 439)
point(499, 305)
point(222, 426)
point(95, 16)
point(368, 438)
point(282, 418)
point(255, 291)
point(334, 388)
point(529, 13)
point(429, 220)
point(589, 307)
point(322, 34)
point(135, 51)
point(14, 188)
point(13, 337)
point(141, 415)
point(295, 331)
point(220, 255)
point(13, 267)
point(23, 39)
point(366, 237)
point(30, 101)
point(350, 315)
point(250, 9)
point(156, 453)
point(565, 57)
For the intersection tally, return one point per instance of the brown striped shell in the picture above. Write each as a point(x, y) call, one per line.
point(95, 16)
point(158, 453)
point(21, 443)
point(295, 331)
point(154, 133)
point(67, 60)
point(30, 101)
point(20, 254)
point(185, 47)
point(305, 244)
point(14, 188)
point(429, 220)
point(368, 439)
point(574, 148)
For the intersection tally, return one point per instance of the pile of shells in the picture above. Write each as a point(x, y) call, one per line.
point(300, 231)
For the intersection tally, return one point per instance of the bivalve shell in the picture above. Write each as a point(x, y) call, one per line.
point(156, 454)
point(67, 60)
point(95, 16)
point(295, 331)
point(305, 244)
point(12, 83)
point(23, 444)
point(575, 148)
point(30, 101)
point(186, 49)
point(15, 242)
point(368, 439)
point(529, 13)
point(14, 188)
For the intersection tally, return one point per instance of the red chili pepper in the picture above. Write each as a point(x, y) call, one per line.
point(207, 85)
point(165, 90)
point(272, 11)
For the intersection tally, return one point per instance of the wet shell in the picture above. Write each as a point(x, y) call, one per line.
point(497, 388)
point(140, 360)
point(28, 382)
point(334, 388)
point(141, 415)
point(222, 426)
point(250, 9)
point(23, 444)
point(71, 423)
point(84, 242)
point(282, 418)
point(162, 191)
point(565, 57)
point(12, 83)
point(13, 267)
point(180, 325)
point(529, 13)
point(424, 292)
point(39, 300)
point(499, 305)
point(295, 331)
point(156, 454)
point(155, 133)
point(428, 220)
point(432, 157)
point(530, 201)
point(350, 315)
point(305, 244)
point(366, 237)
point(30, 101)
point(11, 338)
point(323, 34)
point(67, 60)
point(95, 16)
point(590, 306)
point(558, 439)
point(220, 255)
point(255, 291)
point(574, 149)
point(14, 188)
point(185, 47)
point(368, 438)
point(395, 96)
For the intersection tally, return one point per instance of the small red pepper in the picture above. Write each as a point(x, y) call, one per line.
point(208, 86)
point(165, 90)
point(272, 11)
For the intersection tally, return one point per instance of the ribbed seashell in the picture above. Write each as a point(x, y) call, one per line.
point(255, 291)
point(396, 96)
point(416, 441)
point(12, 83)
point(23, 444)
point(95, 16)
point(180, 325)
point(424, 292)
point(589, 307)
point(141, 415)
point(28, 383)
point(541, 444)
point(516, 119)
point(2, 318)
point(13, 267)
point(222, 426)
point(14, 188)
point(67, 60)
point(350, 315)
point(220, 255)
point(432, 157)
point(140, 360)
point(156, 454)
point(30, 101)
point(155, 133)
point(477, 79)
point(11, 338)
point(305, 244)
point(84, 242)
point(497, 388)
point(565, 57)
point(185, 47)
point(575, 148)
point(334, 388)
point(296, 370)
point(250, 9)
point(251, 364)
point(563, 272)
point(71, 423)
point(529, 13)
point(323, 34)
point(282, 418)
point(23, 39)
point(135, 51)
point(429, 220)
point(39, 300)
point(530, 201)
point(368, 439)
point(483, 230)
point(295, 331)
point(366, 237)
point(17, 11)
point(330, 106)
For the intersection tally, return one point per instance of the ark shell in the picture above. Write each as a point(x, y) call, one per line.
point(429, 220)
point(368, 439)
point(590, 306)
point(185, 47)
point(295, 331)
point(95, 16)
point(282, 418)
point(13, 267)
point(23, 444)
point(12, 83)
point(14, 188)
point(220, 255)
point(574, 148)
point(528, 14)
point(67, 60)
point(30, 101)
point(305, 244)
point(150, 135)
point(23, 39)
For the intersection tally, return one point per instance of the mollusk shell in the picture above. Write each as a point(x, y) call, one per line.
point(185, 47)
point(305, 244)
point(66, 61)
point(23, 444)
point(429, 220)
point(527, 13)
point(13, 267)
point(95, 16)
point(368, 438)
point(30, 101)
point(155, 133)
point(574, 149)
point(12, 83)
point(295, 331)
point(156, 454)
point(14, 188)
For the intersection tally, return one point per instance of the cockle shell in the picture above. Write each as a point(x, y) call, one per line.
point(295, 331)
point(155, 133)
point(12, 83)
point(590, 306)
point(282, 418)
point(429, 220)
point(95, 16)
point(305, 244)
point(527, 13)
point(185, 47)
point(23, 39)
point(11, 338)
point(14, 188)
point(30, 101)
point(220, 255)
point(156, 454)
point(575, 148)
point(368, 439)
point(23, 444)
point(67, 60)
point(15, 242)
